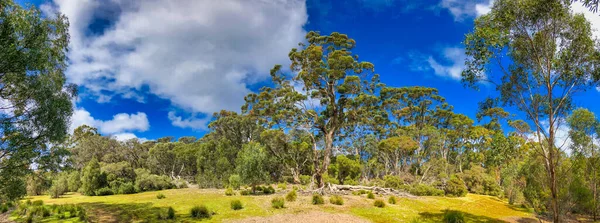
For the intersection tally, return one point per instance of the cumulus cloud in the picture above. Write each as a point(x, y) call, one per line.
point(119, 125)
point(453, 63)
point(191, 122)
point(128, 136)
point(198, 54)
point(462, 9)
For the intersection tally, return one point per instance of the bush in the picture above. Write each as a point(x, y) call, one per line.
point(229, 192)
point(171, 213)
point(426, 190)
point(104, 191)
point(268, 190)
point(200, 212)
point(145, 181)
point(379, 203)
point(36, 203)
point(305, 179)
point(160, 196)
point(281, 186)
point(235, 181)
point(317, 199)
point(236, 205)
point(3, 208)
point(126, 188)
point(479, 182)
point(277, 203)
point(245, 192)
point(370, 195)
point(454, 217)
point(180, 184)
point(455, 187)
point(392, 200)
point(336, 199)
point(291, 196)
point(391, 181)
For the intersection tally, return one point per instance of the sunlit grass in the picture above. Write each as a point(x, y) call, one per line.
point(132, 207)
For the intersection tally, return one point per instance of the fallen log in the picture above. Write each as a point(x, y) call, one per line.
point(374, 189)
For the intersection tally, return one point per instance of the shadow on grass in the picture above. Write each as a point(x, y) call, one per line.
point(439, 217)
point(128, 212)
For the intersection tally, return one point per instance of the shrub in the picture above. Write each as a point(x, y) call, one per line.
point(3, 208)
point(392, 200)
point(391, 181)
point(126, 188)
point(160, 196)
point(45, 211)
point(229, 192)
point(454, 217)
point(426, 190)
point(92, 178)
point(268, 190)
point(171, 213)
point(145, 181)
point(305, 179)
point(245, 192)
point(277, 202)
point(236, 205)
point(235, 181)
point(479, 182)
point(200, 212)
point(74, 181)
point(104, 191)
point(36, 203)
point(291, 196)
point(317, 199)
point(379, 203)
point(370, 195)
point(455, 187)
point(336, 199)
point(281, 186)
point(361, 192)
point(179, 184)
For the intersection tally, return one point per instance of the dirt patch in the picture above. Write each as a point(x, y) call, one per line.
point(314, 216)
point(4, 218)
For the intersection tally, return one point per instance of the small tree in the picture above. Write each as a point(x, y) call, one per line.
point(251, 165)
point(92, 179)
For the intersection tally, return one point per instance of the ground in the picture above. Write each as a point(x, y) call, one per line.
point(146, 206)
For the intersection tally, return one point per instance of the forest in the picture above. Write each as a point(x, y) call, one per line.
point(326, 121)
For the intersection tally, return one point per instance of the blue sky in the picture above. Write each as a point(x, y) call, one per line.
point(157, 68)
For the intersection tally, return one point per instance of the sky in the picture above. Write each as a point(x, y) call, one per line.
point(153, 68)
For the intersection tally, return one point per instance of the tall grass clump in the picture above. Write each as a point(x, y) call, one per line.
point(454, 217)
point(379, 203)
point(200, 212)
point(317, 199)
point(278, 203)
point(236, 205)
point(392, 200)
point(291, 196)
point(336, 199)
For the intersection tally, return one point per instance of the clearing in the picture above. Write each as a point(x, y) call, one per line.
point(146, 206)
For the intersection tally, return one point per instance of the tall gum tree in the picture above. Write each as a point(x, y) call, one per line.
point(319, 95)
point(538, 54)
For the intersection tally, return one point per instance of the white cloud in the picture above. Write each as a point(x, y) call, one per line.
point(199, 54)
point(592, 17)
point(462, 9)
point(192, 122)
point(454, 58)
point(127, 136)
point(598, 89)
point(120, 123)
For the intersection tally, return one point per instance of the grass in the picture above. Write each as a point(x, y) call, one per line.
point(142, 206)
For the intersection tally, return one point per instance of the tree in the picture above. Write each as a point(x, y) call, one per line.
point(552, 56)
point(35, 100)
point(292, 150)
point(251, 165)
point(321, 95)
point(396, 148)
point(585, 135)
point(92, 178)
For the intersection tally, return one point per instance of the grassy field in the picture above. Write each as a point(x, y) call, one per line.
point(145, 207)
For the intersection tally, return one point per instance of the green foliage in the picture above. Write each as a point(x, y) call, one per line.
point(305, 179)
point(426, 190)
point(454, 217)
point(74, 181)
point(126, 188)
point(370, 195)
point(145, 181)
point(392, 181)
point(235, 181)
point(251, 164)
point(455, 187)
point(245, 192)
point(291, 196)
point(392, 200)
point(229, 192)
point(200, 212)
point(347, 169)
point(92, 179)
point(104, 191)
point(37, 203)
point(160, 196)
point(268, 190)
point(281, 186)
point(59, 186)
point(317, 199)
point(477, 181)
point(379, 203)
point(236, 205)
point(336, 199)
point(171, 213)
point(277, 202)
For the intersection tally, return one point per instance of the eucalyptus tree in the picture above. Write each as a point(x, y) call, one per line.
point(35, 101)
point(585, 137)
point(538, 54)
point(320, 95)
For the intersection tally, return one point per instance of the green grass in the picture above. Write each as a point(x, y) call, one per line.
point(137, 207)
